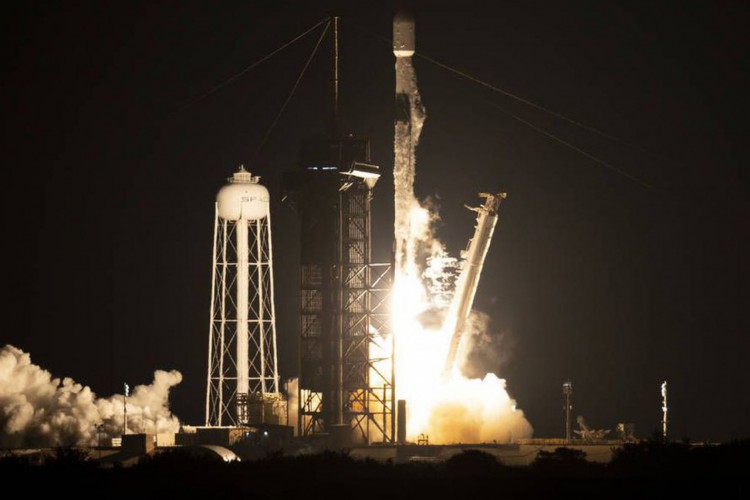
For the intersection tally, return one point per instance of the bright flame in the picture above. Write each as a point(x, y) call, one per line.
point(447, 407)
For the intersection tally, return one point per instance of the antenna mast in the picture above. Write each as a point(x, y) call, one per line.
point(567, 394)
point(664, 410)
point(335, 74)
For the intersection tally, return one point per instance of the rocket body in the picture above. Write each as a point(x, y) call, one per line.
point(403, 49)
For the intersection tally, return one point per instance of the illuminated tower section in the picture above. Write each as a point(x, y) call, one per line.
point(242, 386)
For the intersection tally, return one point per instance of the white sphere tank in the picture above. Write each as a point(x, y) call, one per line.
point(243, 198)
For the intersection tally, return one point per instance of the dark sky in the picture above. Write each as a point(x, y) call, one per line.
point(109, 186)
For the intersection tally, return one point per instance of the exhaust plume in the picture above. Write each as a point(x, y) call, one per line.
point(37, 410)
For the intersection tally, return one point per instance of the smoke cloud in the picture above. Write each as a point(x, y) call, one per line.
point(476, 411)
point(37, 410)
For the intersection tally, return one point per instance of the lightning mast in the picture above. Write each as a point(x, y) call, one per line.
point(664, 410)
point(568, 395)
point(468, 281)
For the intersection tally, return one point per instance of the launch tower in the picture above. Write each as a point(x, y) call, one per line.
point(346, 370)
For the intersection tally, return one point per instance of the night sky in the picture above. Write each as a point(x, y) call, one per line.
point(109, 183)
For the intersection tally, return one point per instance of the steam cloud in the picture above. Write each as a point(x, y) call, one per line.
point(39, 410)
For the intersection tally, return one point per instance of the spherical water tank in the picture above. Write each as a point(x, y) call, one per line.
point(243, 198)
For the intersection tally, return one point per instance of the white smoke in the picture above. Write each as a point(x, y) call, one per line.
point(39, 410)
point(476, 410)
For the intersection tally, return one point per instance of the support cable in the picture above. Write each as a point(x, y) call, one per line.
point(543, 109)
point(252, 66)
point(294, 88)
point(534, 105)
point(579, 150)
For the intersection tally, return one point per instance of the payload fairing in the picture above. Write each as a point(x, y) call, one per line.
point(403, 35)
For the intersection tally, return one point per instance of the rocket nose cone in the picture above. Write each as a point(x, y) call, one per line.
point(403, 34)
